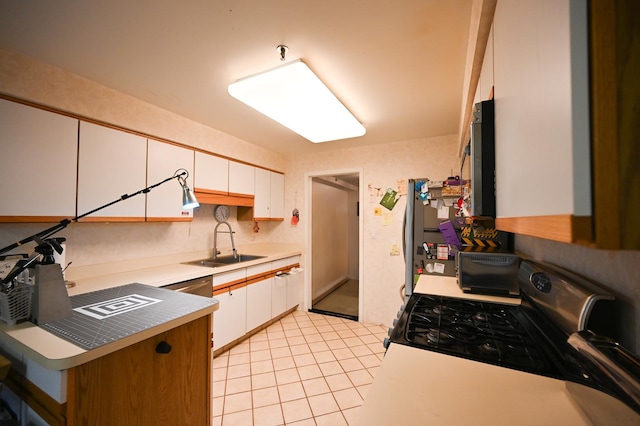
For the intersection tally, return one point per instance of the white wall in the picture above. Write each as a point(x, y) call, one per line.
point(353, 234)
point(330, 246)
point(382, 165)
point(95, 243)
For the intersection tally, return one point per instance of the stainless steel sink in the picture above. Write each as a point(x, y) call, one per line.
point(229, 259)
point(223, 260)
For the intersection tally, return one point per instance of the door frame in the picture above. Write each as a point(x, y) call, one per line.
point(308, 237)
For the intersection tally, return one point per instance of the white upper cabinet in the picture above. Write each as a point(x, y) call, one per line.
point(165, 201)
point(211, 174)
point(277, 196)
point(38, 171)
point(261, 207)
point(269, 199)
point(111, 163)
point(241, 179)
point(542, 118)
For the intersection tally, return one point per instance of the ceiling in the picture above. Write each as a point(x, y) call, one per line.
point(398, 66)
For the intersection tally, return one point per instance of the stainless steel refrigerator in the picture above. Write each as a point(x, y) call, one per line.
point(422, 235)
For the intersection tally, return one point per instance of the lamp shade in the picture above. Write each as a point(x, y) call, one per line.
point(189, 200)
point(295, 97)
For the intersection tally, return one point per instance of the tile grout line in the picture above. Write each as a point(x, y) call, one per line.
point(317, 325)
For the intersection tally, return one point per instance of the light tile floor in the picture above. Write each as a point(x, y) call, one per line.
point(306, 369)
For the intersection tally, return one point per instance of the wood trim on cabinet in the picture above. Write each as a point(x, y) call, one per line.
point(235, 194)
point(229, 200)
point(615, 100)
point(32, 219)
point(482, 12)
point(233, 285)
point(563, 228)
point(92, 219)
point(262, 219)
point(286, 268)
point(51, 411)
point(205, 191)
point(170, 219)
point(260, 277)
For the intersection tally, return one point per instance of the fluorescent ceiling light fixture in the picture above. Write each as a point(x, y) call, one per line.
point(295, 97)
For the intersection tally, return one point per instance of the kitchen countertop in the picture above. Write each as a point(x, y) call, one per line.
point(448, 286)
point(55, 353)
point(433, 388)
point(419, 387)
point(168, 270)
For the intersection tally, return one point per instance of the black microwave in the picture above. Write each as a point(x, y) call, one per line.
point(483, 160)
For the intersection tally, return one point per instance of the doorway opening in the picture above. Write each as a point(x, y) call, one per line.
point(334, 244)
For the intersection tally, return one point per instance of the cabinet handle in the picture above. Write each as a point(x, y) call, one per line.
point(163, 348)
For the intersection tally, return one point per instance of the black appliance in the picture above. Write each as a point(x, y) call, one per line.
point(483, 160)
point(489, 273)
point(557, 331)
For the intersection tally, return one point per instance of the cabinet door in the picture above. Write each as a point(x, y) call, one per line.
point(38, 171)
point(230, 322)
point(241, 179)
point(258, 303)
point(277, 196)
point(111, 163)
point(294, 286)
point(262, 200)
point(543, 184)
point(165, 202)
point(211, 174)
point(279, 295)
point(139, 386)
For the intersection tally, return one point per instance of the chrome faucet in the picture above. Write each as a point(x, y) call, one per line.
point(215, 240)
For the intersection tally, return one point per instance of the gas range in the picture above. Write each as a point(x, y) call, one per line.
point(476, 330)
point(556, 332)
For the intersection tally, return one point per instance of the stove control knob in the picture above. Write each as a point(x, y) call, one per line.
point(399, 314)
point(389, 331)
point(395, 322)
point(541, 282)
point(386, 342)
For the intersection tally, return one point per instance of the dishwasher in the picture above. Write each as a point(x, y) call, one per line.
point(202, 286)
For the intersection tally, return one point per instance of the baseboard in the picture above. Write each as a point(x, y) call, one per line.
point(334, 314)
point(337, 283)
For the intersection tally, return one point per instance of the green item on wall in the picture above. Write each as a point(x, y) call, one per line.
point(389, 199)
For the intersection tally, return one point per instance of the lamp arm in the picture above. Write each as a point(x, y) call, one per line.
point(65, 222)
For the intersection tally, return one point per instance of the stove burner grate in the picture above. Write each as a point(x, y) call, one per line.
point(475, 330)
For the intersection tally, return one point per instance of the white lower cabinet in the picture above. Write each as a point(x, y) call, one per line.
point(252, 296)
point(258, 303)
point(286, 287)
point(230, 320)
point(294, 284)
point(279, 294)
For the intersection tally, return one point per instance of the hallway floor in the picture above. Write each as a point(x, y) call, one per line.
point(306, 369)
point(342, 301)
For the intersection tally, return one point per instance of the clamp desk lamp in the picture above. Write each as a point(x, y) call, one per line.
point(49, 283)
